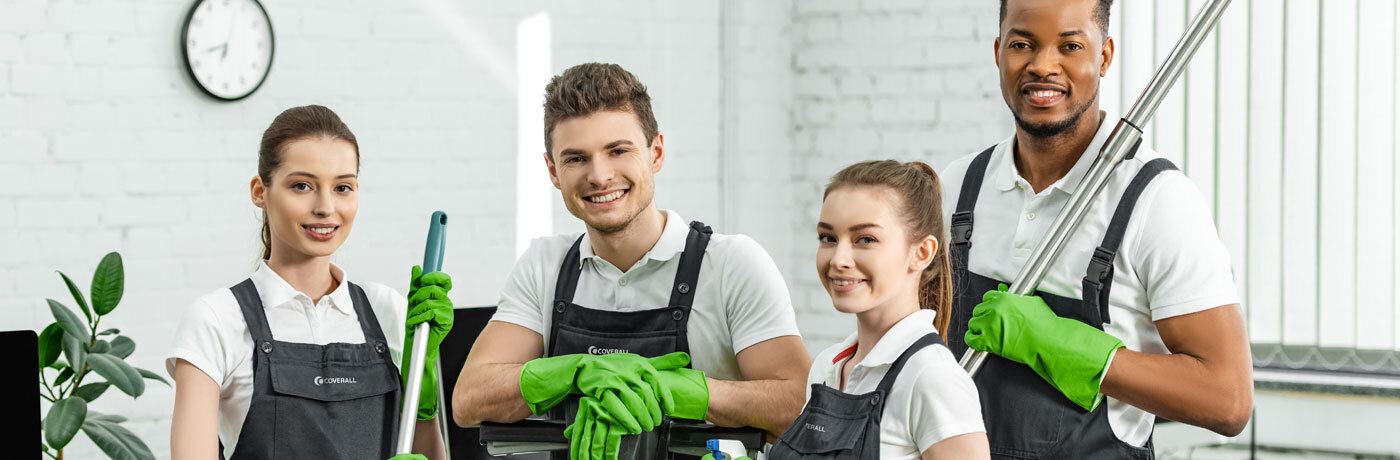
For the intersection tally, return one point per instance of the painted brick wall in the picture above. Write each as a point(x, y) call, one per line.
point(902, 79)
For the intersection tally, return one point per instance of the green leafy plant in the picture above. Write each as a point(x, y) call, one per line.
point(89, 351)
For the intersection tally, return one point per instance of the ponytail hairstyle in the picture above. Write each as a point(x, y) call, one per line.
point(921, 205)
point(294, 124)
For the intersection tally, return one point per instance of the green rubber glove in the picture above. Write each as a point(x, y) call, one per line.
point(427, 303)
point(1071, 355)
point(408, 457)
point(625, 385)
point(594, 435)
point(685, 392)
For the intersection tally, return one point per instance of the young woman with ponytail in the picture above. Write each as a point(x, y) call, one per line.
point(297, 361)
point(891, 390)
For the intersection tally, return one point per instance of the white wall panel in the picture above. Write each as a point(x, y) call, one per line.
point(1337, 179)
point(1375, 174)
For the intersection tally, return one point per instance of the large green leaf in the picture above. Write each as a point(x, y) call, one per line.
point(100, 346)
point(107, 284)
point(63, 376)
point(122, 346)
point(101, 417)
point(63, 421)
point(77, 296)
point(50, 345)
point(118, 372)
point(76, 352)
point(152, 375)
point(116, 441)
point(91, 391)
point(70, 322)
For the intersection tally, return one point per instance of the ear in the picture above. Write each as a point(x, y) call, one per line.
point(1108, 49)
point(996, 52)
point(658, 153)
point(258, 192)
point(553, 174)
point(922, 254)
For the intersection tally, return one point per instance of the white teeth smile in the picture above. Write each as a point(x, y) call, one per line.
point(844, 282)
point(606, 198)
point(323, 231)
point(1045, 93)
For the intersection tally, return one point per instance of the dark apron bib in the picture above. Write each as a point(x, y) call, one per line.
point(650, 333)
point(839, 426)
point(333, 401)
point(1025, 417)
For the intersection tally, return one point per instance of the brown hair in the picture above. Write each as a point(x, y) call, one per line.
point(589, 88)
point(294, 124)
point(921, 198)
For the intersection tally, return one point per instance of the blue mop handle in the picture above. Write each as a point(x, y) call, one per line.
point(408, 416)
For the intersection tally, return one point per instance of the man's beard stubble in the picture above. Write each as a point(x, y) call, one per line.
point(1054, 128)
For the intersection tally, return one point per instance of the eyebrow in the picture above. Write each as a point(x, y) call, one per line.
point(313, 176)
point(854, 228)
point(609, 146)
point(1028, 34)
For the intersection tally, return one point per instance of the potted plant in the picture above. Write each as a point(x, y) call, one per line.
point(88, 350)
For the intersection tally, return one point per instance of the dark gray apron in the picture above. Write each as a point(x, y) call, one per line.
point(333, 401)
point(650, 333)
point(1026, 417)
point(839, 426)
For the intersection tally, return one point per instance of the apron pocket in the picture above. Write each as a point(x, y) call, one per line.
point(330, 381)
point(817, 431)
point(571, 340)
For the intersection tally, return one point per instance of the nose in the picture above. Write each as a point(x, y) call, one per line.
point(325, 203)
point(841, 256)
point(1044, 63)
point(600, 173)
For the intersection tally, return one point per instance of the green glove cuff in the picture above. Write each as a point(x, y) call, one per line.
point(688, 390)
point(1076, 365)
point(544, 382)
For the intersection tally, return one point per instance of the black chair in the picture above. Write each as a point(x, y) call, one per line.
point(467, 323)
point(20, 395)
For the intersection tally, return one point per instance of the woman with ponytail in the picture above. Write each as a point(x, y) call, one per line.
point(891, 390)
point(297, 361)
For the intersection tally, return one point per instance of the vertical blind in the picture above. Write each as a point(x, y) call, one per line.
point(1286, 120)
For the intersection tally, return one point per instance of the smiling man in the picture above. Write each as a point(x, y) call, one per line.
point(1076, 372)
point(581, 312)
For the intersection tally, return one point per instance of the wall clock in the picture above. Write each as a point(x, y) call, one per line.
point(227, 47)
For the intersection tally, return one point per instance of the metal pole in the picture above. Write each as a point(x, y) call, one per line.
point(408, 415)
point(1123, 141)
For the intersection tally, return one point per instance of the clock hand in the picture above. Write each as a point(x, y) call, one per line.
point(217, 47)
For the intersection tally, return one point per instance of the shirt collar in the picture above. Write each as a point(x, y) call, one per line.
point(672, 241)
point(274, 291)
point(903, 334)
point(1005, 165)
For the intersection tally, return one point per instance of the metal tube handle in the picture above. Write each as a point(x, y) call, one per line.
point(1124, 140)
point(408, 415)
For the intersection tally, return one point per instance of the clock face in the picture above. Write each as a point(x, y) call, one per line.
point(228, 47)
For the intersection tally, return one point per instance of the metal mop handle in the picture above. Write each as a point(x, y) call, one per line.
point(408, 416)
point(1124, 140)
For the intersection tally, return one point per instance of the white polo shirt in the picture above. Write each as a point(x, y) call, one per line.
point(932, 398)
point(1171, 261)
point(214, 337)
point(740, 299)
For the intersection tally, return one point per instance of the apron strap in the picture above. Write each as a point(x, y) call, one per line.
point(369, 322)
point(568, 274)
point(683, 290)
point(960, 229)
point(1099, 277)
point(251, 305)
point(887, 383)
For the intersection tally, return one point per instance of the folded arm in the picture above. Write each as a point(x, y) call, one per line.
point(771, 396)
point(488, 388)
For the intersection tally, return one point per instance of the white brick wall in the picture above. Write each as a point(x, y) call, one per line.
point(106, 145)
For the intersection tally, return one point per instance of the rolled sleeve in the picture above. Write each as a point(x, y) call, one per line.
point(200, 341)
point(945, 404)
point(520, 302)
point(1182, 261)
point(756, 297)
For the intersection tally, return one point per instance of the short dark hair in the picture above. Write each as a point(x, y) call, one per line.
point(585, 89)
point(1100, 15)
